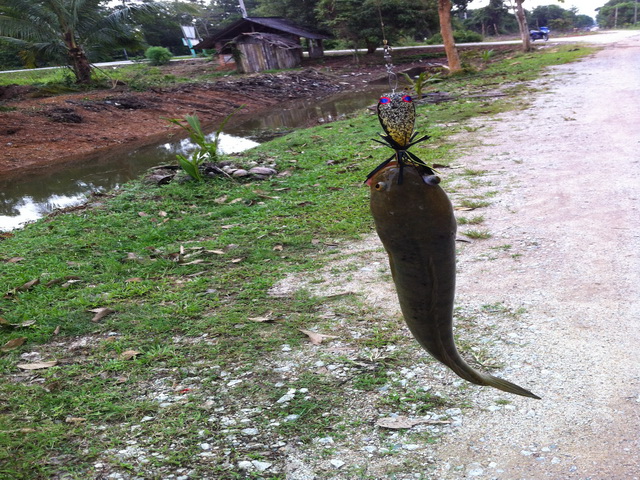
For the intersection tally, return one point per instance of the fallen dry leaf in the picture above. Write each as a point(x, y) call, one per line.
point(397, 423)
point(278, 248)
point(266, 318)
point(4, 323)
point(162, 213)
point(143, 214)
point(100, 313)
point(314, 337)
point(217, 252)
point(75, 420)
point(133, 257)
point(236, 260)
point(193, 262)
point(28, 285)
point(129, 354)
point(14, 343)
point(221, 199)
point(133, 280)
point(37, 365)
point(15, 259)
point(57, 330)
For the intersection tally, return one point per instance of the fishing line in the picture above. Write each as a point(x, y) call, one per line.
point(393, 78)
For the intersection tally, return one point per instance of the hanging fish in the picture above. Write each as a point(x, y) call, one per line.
point(397, 115)
point(415, 222)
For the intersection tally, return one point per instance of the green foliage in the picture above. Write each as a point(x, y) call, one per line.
point(358, 24)
point(207, 151)
point(67, 32)
point(421, 82)
point(460, 36)
point(616, 13)
point(158, 55)
point(486, 55)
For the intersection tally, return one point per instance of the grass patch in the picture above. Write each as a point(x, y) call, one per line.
point(478, 234)
point(475, 220)
point(185, 276)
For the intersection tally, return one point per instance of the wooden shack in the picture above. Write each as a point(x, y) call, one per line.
point(258, 51)
point(264, 43)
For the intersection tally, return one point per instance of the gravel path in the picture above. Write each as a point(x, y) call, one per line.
point(553, 295)
point(569, 201)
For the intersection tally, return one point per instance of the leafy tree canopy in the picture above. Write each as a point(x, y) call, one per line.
point(67, 32)
point(626, 14)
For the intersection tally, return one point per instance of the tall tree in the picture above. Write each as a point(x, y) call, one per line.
point(522, 24)
point(67, 31)
point(617, 13)
point(444, 13)
point(363, 22)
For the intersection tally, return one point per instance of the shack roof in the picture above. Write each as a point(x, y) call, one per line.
point(259, 24)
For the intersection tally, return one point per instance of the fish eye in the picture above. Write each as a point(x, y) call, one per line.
point(380, 186)
point(406, 98)
point(385, 100)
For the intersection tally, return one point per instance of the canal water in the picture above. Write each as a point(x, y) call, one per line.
point(26, 198)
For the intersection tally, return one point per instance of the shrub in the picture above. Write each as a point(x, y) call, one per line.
point(158, 55)
point(460, 36)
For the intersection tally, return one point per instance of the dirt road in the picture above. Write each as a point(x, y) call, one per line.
point(553, 296)
point(568, 173)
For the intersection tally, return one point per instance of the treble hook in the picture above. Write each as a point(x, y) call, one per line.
point(393, 78)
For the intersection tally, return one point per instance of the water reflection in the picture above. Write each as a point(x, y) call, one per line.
point(24, 200)
point(27, 198)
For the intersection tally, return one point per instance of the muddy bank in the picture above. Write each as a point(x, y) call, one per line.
point(36, 132)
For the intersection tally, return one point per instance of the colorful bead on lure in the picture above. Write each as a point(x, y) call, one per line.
point(397, 115)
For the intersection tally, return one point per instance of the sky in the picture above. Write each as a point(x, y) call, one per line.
point(585, 7)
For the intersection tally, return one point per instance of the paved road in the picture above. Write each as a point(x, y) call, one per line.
point(598, 38)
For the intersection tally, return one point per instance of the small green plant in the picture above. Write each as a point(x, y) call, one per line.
point(158, 55)
point(478, 234)
point(421, 81)
point(486, 55)
point(207, 151)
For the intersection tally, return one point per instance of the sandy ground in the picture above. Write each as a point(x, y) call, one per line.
point(564, 250)
point(569, 176)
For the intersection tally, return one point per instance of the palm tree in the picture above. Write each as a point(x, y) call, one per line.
point(67, 31)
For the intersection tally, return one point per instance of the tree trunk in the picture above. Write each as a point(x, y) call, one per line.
point(80, 65)
point(444, 13)
point(77, 59)
point(522, 24)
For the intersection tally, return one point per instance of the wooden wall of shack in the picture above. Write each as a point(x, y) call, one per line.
point(258, 53)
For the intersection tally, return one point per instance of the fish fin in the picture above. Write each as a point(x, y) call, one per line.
point(379, 167)
point(507, 386)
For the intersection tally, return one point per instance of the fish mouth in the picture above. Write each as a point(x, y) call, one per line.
point(369, 181)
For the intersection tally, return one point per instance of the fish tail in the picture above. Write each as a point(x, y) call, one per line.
point(452, 359)
point(507, 386)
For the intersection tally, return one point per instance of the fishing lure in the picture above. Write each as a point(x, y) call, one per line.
point(397, 115)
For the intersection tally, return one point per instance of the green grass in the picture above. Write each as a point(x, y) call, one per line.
point(139, 76)
point(184, 286)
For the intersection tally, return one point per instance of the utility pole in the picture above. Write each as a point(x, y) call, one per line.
point(243, 9)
